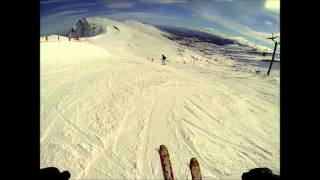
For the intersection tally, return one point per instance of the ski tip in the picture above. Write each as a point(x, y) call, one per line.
point(194, 162)
point(163, 151)
point(162, 147)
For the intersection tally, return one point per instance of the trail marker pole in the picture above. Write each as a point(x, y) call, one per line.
point(276, 42)
point(274, 51)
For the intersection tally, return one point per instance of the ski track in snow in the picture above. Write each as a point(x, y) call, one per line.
point(105, 117)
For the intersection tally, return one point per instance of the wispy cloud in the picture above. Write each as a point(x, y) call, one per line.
point(164, 1)
point(215, 0)
point(60, 15)
point(65, 7)
point(62, 21)
point(248, 19)
point(54, 1)
point(92, 4)
point(243, 30)
point(268, 22)
point(229, 0)
point(119, 4)
point(139, 16)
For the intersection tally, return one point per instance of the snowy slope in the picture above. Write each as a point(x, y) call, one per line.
point(106, 108)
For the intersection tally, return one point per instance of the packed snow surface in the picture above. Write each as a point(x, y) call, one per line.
point(106, 107)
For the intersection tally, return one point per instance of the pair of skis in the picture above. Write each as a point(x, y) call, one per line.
point(167, 168)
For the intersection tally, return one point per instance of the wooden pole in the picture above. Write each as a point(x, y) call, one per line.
point(274, 52)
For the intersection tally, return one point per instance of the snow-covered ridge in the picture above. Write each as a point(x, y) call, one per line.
point(88, 27)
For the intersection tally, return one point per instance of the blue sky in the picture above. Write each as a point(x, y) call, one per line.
point(253, 20)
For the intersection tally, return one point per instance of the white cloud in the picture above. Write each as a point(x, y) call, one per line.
point(119, 4)
point(137, 16)
point(60, 15)
point(273, 5)
point(92, 4)
point(163, 1)
point(225, 0)
point(217, 0)
point(243, 30)
point(54, 1)
point(268, 22)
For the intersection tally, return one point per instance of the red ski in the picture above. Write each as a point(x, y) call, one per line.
point(165, 163)
point(195, 169)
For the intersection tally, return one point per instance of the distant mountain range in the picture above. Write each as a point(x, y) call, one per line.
point(179, 32)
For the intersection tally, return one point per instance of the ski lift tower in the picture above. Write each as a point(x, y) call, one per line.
point(276, 41)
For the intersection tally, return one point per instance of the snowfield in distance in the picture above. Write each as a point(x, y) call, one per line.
point(106, 107)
